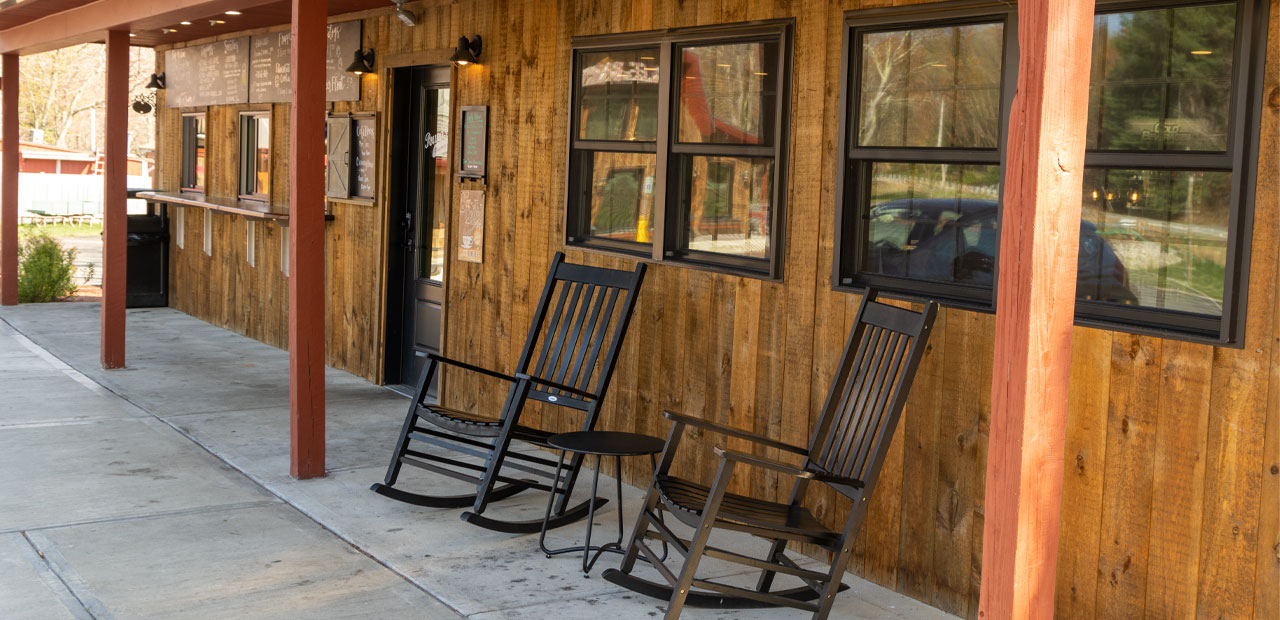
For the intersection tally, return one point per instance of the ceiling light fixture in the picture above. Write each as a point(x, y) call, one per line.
point(405, 15)
point(232, 13)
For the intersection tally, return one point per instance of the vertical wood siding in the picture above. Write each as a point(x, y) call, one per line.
point(1171, 504)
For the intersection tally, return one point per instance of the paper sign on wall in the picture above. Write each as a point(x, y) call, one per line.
point(471, 226)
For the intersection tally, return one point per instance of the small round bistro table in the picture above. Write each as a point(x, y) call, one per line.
point(601, 444)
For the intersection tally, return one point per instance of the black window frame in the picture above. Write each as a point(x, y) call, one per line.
point(1241, 152)
point(247, 183)
point(668, 210)
point(189, 158)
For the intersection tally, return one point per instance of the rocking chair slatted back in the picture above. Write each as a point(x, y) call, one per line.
point(566, 343)
point(869, 391)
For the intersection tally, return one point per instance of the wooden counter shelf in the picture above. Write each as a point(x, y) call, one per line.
point(249, 209)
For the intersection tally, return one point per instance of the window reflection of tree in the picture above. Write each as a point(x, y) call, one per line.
point(932, 87)
point(619, 204)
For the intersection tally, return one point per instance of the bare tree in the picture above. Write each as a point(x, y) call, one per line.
point(62, 96)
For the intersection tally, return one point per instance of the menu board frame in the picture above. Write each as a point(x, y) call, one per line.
point(473, 146)
point(351, 158)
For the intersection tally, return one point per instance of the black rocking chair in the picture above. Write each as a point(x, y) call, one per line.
point(568, 359)
point(845, 453)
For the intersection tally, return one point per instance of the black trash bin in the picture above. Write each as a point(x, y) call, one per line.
point(148, 266)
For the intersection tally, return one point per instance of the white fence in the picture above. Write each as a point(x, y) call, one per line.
point(69, 194)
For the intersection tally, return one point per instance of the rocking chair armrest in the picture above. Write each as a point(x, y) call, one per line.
point(758, 461)
point(473, 368)
point(733, 432)
point(556, 386)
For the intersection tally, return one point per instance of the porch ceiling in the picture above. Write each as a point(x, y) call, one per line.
point(30, 26)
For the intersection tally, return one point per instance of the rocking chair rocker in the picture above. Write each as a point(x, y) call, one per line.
point(845, 453)
point(576, 343)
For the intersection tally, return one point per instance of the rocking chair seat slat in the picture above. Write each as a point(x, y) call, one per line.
point(467, 423)
point(795, 521)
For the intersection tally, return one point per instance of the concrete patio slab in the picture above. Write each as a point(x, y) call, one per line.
point(358, 433)
point(28, 589)
point(253, 562)
point(229, 395)
point(109, 469)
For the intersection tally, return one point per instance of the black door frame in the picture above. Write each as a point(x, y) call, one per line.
point(394, 339)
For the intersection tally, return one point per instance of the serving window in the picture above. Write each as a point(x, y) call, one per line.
point(1170, 157)
point(194, 154)
point(255, 155)
point(678, 143)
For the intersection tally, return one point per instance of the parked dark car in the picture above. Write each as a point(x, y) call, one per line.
point(951, 240)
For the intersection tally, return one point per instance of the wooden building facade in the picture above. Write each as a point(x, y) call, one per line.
point(1171, 499)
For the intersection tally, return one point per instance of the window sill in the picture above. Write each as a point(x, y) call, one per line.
point(1081, 320)
point(671, 261)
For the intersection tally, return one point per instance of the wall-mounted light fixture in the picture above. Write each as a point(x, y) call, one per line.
point(468, 51)
point(405, 15)
point(157, 81)
point(362, 62)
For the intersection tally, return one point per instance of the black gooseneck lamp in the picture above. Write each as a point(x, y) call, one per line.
point(362, 62)
point(157, 81)
point(468, 51)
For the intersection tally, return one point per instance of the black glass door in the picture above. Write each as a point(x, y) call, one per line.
point(421, 211)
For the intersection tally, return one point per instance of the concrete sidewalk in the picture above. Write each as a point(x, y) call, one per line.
point(162, 491)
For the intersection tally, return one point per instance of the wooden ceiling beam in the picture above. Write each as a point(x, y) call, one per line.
point(90, 23)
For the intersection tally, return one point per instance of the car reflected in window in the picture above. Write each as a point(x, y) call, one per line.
point(955, 241)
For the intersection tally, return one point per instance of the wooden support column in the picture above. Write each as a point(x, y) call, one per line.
point(115, 220)
point(306, 239)
point(9, 181)
point(1040, 235)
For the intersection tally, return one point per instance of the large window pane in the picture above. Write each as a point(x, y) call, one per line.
point(621, 195)
point(1155, 238)
point(933, 222)
point(619, 95)
point(931, 87)
point(201, 142)
point(728, 93)
point(730, 200)
point(1161, 79)
point(262, 155)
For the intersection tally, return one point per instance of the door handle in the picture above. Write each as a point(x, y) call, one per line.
point(407, 224)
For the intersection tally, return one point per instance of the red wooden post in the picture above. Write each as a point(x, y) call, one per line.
point(9, 182)
point(1034, 309)
point(306, 239)
point(114, 181)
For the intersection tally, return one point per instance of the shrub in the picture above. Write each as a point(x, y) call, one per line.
point(46, 271)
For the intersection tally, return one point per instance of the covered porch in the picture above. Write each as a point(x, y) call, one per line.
point(1120, 461)
point(162, 491)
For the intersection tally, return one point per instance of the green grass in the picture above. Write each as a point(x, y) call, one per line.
point(60, 230)
point(1208, 277)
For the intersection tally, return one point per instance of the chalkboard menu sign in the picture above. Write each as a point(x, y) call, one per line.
point(364, 155)
point(475, 141)
point(211, 74)
point(270, 79)
point(256, 69)
point(344, 42)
